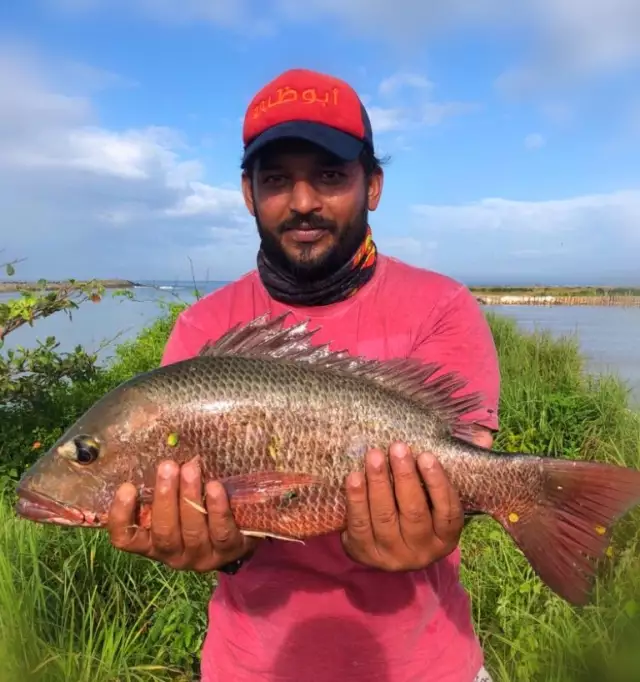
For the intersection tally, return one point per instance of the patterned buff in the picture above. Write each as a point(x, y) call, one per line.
point(342, 284)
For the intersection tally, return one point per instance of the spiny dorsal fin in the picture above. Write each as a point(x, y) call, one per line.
point(270, 340)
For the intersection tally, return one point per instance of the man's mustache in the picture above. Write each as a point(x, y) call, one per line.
point(311, 221)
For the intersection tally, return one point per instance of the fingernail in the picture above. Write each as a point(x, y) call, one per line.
point(214, 489)
point(126, 493)
point(355, 480)
point(376, 460)
point(190, 472)
point(166, 469)
point(426, 460)
point(398, 451)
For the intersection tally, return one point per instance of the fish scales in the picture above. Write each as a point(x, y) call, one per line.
point(244, 415)
point(281, 423)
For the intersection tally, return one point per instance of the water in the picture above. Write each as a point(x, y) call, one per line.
point(608, 337)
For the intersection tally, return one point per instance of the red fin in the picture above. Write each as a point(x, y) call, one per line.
point(263, 486)
point(270, 340)
point(566, 534)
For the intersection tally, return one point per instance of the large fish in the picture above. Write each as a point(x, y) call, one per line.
point(281, 423)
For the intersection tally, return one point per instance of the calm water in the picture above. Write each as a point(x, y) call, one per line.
point(609, 337)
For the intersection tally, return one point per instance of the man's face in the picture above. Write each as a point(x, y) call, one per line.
point(311, 208)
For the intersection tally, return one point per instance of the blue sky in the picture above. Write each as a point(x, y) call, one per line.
point(513, 135)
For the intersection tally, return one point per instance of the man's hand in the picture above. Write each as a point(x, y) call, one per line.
point(398, 532)
point(181, 536)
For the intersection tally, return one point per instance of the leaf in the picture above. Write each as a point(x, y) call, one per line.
point(11, 271)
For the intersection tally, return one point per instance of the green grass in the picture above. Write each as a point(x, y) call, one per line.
point(73, 608)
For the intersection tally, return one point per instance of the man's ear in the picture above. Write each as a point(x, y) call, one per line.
point(247, 193)
point(374, 189)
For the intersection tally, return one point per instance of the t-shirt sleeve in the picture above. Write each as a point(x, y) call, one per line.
point(461, 340)
point(186, 339)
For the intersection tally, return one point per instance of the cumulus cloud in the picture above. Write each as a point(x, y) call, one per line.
point(592, 237)
point(81, 200)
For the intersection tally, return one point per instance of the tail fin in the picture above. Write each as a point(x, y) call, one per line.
point(566, 532)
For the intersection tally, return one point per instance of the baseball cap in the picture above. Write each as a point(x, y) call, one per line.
point(308, 105)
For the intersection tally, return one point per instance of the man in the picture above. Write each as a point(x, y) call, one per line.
point(381, 601)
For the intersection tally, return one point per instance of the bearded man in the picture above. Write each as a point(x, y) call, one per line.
point(382, 601)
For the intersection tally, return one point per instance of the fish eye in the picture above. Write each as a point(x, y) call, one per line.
point(87, 450)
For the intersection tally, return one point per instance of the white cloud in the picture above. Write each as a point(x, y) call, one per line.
point(575, 40)
point(592, 238)
point(244, 16)
point(384, 120)
point(411, 112)
point(434, 113)
point(562, 43)
point(392, 84)
point(83, 200)
point(593, 211)
point(571, 36)
point(534, 141)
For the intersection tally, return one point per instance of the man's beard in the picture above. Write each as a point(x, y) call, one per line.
point(307, 268)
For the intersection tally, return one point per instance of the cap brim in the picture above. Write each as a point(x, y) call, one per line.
point(344, 146)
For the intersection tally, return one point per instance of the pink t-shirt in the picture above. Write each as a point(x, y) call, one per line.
point(308, 612)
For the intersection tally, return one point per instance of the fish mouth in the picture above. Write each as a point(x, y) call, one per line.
point(36, 506)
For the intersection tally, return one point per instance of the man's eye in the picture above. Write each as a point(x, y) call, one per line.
point(273, 179)
point(332, 175)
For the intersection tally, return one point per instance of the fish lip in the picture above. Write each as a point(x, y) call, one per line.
point(37, 506)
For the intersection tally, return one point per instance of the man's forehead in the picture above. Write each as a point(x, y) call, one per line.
point(295, 151)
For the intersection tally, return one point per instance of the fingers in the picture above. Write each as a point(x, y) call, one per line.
point(358, 537)
point(447, 510)
point(382, 502)
point(413, 508)
point(121, 522)
point(165, 511)
point(223, 531)
point(193, 517)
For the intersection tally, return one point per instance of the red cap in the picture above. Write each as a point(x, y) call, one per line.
point(311, 106)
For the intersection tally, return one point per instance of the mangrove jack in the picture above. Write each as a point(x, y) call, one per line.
point(281, 423)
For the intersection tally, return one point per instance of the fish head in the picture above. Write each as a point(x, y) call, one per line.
point(74, 483)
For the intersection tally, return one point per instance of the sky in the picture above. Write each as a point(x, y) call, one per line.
point(512, 133)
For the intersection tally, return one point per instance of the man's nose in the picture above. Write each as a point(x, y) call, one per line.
point(304, 198)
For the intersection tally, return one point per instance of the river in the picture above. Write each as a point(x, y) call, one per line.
point(608, 336)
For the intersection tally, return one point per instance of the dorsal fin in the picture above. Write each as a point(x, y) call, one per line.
point(270, 340)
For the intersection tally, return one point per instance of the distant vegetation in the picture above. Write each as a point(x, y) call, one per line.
point(9, 286)
point(73, 608)
point(558, 291)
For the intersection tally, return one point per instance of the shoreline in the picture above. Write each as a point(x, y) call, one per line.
point(490, 295)
point(55, 285)
point(561, 300)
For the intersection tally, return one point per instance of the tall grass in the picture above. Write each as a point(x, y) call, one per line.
point(74, 609)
